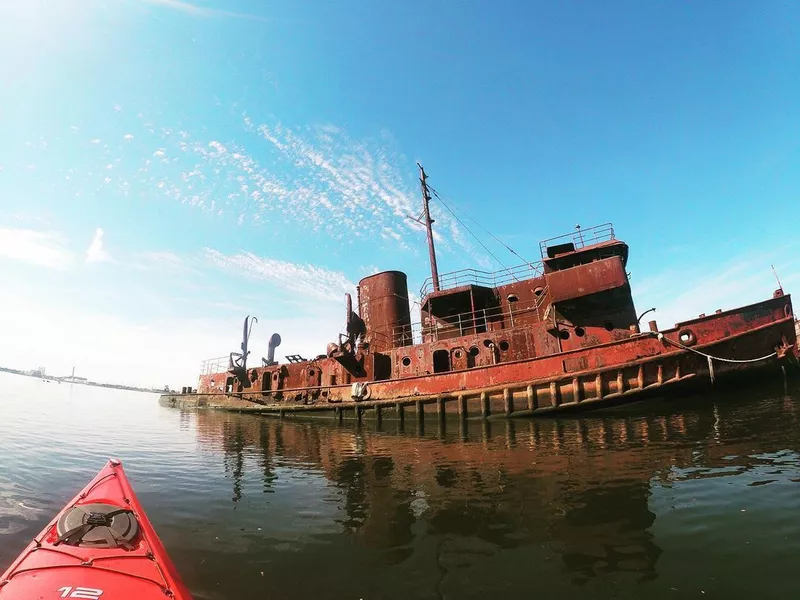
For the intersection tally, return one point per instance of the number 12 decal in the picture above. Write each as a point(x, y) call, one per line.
point(80, 592)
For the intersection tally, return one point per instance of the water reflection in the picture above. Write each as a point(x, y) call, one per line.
point(690, 499)
point(575, 492)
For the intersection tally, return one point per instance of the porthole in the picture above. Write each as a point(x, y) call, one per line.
point(504, 346)
point(512, 298)
point(538, 291)
point(687, 337)
point(580, 331)
point(474, 351)
point(609, 326)
point(457, 353)
point(406, 361)
point(563, 334)
point(311, 372)
point(487, 343)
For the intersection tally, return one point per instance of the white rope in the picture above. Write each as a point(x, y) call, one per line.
point(661, 337)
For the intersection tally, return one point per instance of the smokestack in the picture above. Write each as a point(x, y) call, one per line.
point(274, 342)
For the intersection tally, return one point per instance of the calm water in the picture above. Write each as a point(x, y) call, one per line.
point(696, 498)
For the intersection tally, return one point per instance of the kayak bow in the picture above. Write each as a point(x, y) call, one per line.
point(101, 546)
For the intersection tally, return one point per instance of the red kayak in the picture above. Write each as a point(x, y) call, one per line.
point(100, 547)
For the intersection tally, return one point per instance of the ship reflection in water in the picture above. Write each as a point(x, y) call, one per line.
point(683, 500)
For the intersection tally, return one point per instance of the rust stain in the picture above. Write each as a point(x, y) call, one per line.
point(551, 336)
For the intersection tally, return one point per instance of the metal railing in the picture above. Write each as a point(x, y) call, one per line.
point(215, 365)
point(463, 323)
point(580, 237)
point(403, 335)
point(483, 278)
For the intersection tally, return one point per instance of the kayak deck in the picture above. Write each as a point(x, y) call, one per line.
point(101, 545)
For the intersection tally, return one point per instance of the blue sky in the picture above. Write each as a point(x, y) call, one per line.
point(168, 167)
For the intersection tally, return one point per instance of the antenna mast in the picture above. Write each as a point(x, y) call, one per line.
point(426, 200)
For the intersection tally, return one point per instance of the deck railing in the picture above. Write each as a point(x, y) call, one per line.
point(404, 335)
point(214, 365)
point(464, 323)
point(483, 278)
point(580, 237)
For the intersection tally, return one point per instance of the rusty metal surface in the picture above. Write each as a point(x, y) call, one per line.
point(579, 281)
point(565, 381)
point(384, 308)
point(566, 338)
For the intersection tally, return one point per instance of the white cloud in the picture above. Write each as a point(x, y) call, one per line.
point(679, 295)
point(95, 253)
point(107, 347)
point(44, 249)
point(165, 258)
point(316, 179)
point(107, 342)
point(307, 280)
point(199, 11)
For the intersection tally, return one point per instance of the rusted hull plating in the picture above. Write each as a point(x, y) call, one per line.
point(592, 377)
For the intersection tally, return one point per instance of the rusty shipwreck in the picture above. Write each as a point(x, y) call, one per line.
point(561, 334)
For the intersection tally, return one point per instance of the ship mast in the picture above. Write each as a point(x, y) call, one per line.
point(426, 200)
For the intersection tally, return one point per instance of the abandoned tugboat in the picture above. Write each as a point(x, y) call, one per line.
point(559, 335)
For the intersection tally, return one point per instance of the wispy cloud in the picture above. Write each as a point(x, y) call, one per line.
point(679, 295)
point(41, 248)
point(313, 180)
point(95, 253)
point(200, 11)
point(317, 177)
point(163, 260)
point(308, 280)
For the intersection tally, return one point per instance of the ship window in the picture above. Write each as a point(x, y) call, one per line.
point(311, 372)
point(333, 379)
point(474, 351)
point(580, 331)
point(512, 298)
point(457, 353)
point(487, 343)
point(563, 334)
point(406, 361)
point(609, 326)
point(441, 361)
point(538, 291)
point(504, 346)
point(686, 337)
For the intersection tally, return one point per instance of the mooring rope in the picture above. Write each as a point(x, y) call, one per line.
point(710, 357)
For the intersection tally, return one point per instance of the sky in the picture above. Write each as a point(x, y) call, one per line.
point(168, 167)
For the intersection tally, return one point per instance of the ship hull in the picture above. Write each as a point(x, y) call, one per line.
point(746, 342)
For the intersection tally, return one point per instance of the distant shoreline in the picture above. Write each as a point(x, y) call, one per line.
point(81, 381)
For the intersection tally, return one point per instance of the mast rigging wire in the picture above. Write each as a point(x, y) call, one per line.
point(498, 240)
point(477, 239)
